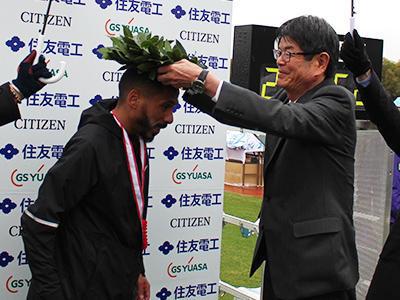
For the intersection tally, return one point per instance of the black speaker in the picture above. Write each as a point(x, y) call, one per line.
point(252, 47)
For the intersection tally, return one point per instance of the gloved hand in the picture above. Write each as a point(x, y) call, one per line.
point(354, 54)
point(27, 80)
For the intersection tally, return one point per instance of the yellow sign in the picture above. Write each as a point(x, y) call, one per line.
point(272, 76)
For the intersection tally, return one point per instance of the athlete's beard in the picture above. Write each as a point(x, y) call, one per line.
point(148, 131)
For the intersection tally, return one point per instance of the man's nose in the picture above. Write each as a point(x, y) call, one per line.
point(280, 60)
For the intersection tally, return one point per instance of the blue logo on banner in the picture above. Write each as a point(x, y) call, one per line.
point(145, 6)
point(70, 2)
point(96, 52)
point(163, 294)
point(59, 99)
point(104, 3)
point(6, 206)
point(25, 203)
point(95, 99)
point(176, 107)
point(196, 153)
point(168, 201)
point(166, 247)
point(202, 15)
point(5, 259)
point(42, 151)
point(9, 151)
point(197, 245)
point(190, 109)
point(64, 48)
point(170, 153)
point(22, 259)
point(190, 246)
point(150, 151)
point(195, 290)
point(206, 199)
point(15, 44)
point(213, 61)
point(178, 12)
point(30, 151)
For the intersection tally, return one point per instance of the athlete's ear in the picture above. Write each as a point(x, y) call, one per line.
point(133, 98)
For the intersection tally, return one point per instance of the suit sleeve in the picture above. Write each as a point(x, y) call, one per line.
point(382, 111)
point(9, 110)
point(324, 118)
point(64, 186)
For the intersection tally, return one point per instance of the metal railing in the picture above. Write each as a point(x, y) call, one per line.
point(238, 293)
point(224, 287)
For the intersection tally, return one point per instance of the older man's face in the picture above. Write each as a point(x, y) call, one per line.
point(295, 72)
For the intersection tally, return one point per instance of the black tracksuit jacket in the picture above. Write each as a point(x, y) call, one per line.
point(82, 236)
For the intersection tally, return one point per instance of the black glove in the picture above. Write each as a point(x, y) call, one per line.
point(354, 54)
point(27, 78)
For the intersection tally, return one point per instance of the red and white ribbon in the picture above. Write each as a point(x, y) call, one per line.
point(135, 176)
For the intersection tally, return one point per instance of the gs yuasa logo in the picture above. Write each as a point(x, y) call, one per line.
point(113, 28)
point(178, 177)
point(13, 285)
point(19, 178)
point(174, 270)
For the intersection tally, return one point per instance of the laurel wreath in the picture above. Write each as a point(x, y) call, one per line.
point(145, 52)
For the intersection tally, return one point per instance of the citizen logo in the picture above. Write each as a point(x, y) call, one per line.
point(110, 76)
point(202, 37)
point(40, 124)
point(194, 129)
point(15, 231)
point(190, 222)
point(37, 18)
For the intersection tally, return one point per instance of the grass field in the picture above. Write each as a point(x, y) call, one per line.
point(237, 251)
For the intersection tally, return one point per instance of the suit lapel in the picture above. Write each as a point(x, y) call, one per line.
point(278, 146)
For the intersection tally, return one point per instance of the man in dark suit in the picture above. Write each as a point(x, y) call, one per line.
point(26, 84)
point(306, 224)
point(384, 113)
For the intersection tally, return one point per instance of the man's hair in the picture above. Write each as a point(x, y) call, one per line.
point(313, 35)
point(132, 80)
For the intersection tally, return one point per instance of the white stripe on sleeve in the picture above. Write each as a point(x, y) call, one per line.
point(51, 224)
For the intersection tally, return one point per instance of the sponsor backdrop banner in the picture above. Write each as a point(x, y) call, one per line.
point(187, 159)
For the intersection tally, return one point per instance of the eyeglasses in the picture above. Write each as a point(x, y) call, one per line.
point(287, 55)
